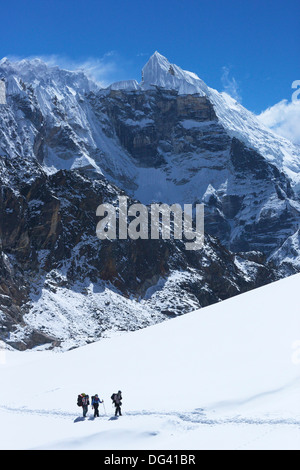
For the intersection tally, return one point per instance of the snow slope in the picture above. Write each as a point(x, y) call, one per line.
point(223, 377)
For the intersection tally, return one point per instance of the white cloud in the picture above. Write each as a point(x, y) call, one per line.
point(284, 119)
point(230, 84)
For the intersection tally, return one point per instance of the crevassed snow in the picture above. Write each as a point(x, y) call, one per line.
point(223, 377)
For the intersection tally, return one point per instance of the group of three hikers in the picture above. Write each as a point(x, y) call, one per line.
point(84, 401)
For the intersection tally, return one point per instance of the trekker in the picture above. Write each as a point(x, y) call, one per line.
point(116, 399)
point(83, 401)
point(95, 405)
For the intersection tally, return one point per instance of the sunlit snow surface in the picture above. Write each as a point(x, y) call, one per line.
point(223, 377)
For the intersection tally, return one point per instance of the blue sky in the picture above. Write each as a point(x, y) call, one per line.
point(249, 48)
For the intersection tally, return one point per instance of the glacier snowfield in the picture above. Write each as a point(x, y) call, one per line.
point(223, 377)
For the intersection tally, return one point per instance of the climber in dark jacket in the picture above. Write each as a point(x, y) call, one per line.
point(85, 403)
point(95, 405)
point(116, 399)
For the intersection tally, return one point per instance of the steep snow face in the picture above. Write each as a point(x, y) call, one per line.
point(238, 121)
point(244, 125)
point(48, 118)
point(40, 97)
point(42, 76)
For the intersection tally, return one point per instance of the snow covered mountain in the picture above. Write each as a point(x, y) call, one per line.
point(66, 145)
point(169, 139)
point(60, 96)
point(237, 120)
point(223, 377)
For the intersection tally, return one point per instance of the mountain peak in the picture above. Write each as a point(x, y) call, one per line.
point(159, 58)
point(160, 72)
point(158, 55)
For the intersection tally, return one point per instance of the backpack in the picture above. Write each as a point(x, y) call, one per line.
point(79, 400)
point(116, 399)
point(113, 397)
point(94, 400)
point(85, 400)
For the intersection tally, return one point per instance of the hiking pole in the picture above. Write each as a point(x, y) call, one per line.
point(104, 407)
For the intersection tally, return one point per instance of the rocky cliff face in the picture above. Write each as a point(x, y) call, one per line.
point(67, 146)
point(250, 203)
point(50, 250)
point(147, 124)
